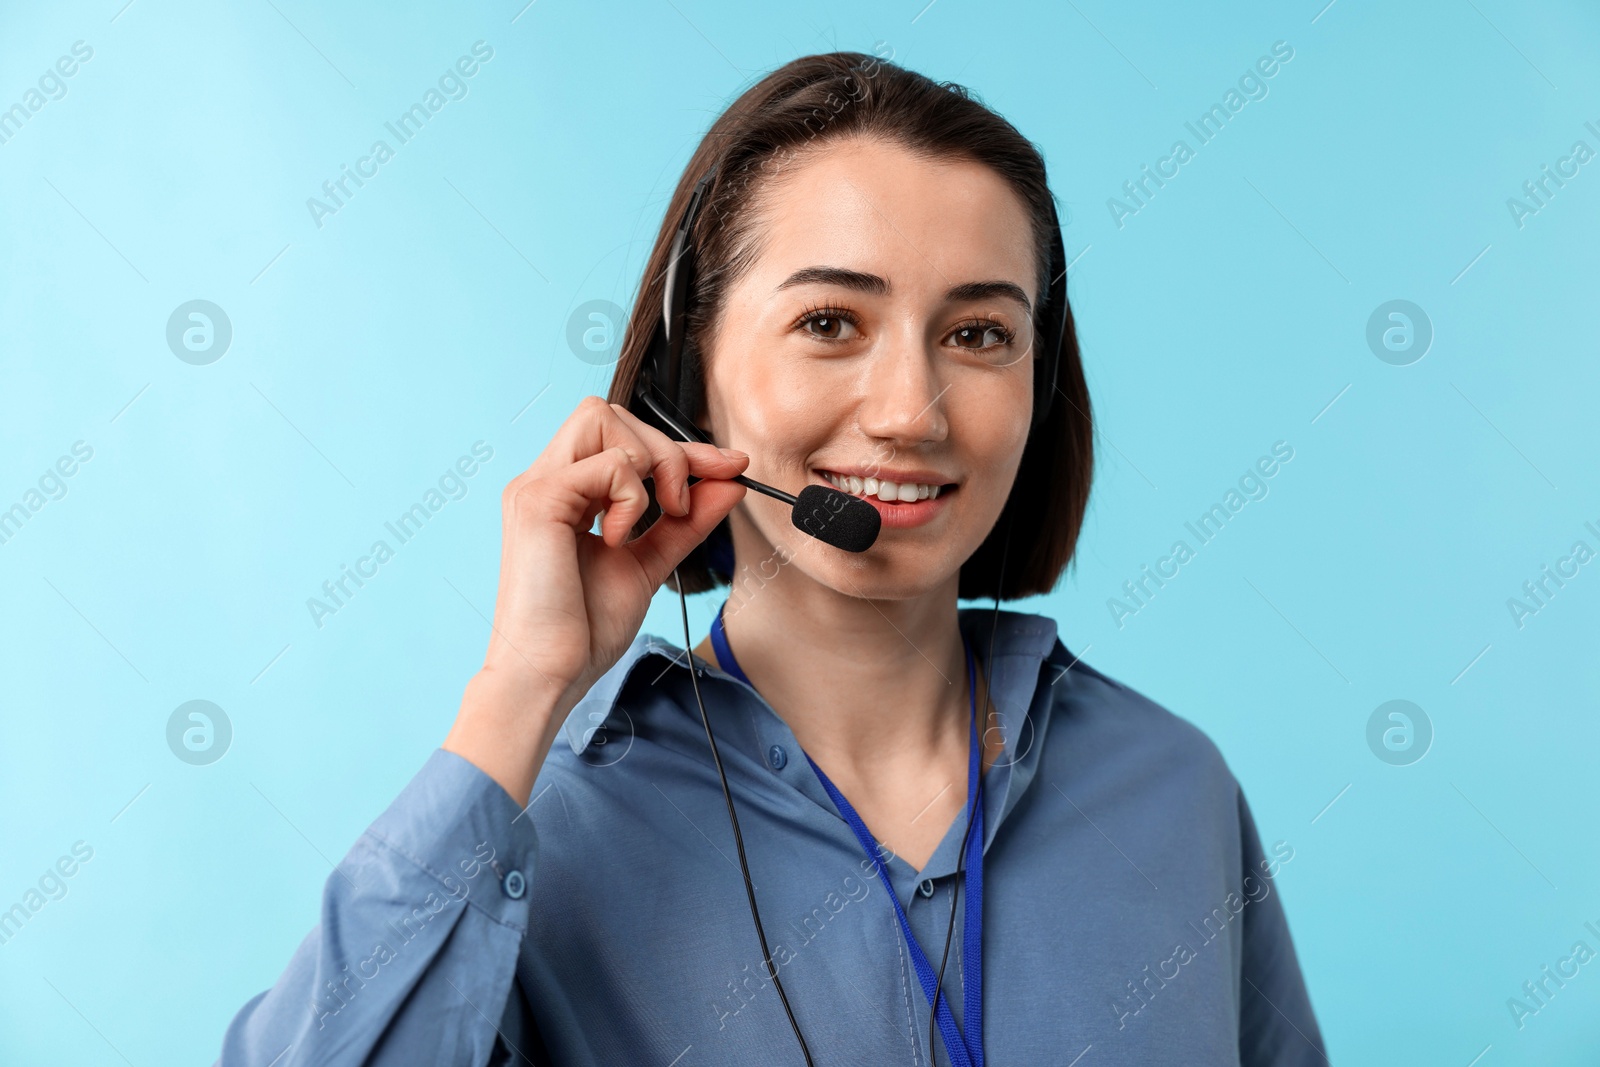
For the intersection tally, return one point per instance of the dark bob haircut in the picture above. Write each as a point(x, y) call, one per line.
point(801, 105)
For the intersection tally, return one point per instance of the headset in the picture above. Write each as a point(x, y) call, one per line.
point(664, 395)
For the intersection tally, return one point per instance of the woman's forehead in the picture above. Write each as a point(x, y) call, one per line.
point(874, 207)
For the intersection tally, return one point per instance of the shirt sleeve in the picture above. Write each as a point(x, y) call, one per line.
point(1277, 1027)
point(414, 959)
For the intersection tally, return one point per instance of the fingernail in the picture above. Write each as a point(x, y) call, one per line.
point(733, 453)
point(683, 496)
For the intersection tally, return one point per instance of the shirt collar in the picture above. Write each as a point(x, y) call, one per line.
point(1022, 695)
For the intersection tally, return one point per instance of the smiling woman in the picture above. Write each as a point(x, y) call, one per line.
point(882, 317)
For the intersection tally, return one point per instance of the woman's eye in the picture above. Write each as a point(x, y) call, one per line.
point(980, 336)
point(830, 326)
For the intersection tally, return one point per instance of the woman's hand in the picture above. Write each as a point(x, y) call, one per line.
point(571, 602)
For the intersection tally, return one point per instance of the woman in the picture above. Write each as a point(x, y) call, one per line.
point(871, 263)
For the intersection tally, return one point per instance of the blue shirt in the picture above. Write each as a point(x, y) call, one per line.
point(1131, 914)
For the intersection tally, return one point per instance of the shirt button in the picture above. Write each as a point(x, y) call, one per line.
point(926, 888)
point(515, 885)
point(777, 757)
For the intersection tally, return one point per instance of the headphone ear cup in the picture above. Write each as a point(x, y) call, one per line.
point(691, 385)
point(1051, 328)
point(1045, 357)
point(649, 377)
point(1043, 390)
point(719, 551)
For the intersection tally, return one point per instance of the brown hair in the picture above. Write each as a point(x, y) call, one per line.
point(838, 94)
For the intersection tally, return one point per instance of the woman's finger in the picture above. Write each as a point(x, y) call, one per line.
point(606, 481)
point(670, 538)
point(592, 428)
point(596, 426)
point(677, 460)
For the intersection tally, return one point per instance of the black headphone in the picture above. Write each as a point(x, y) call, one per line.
point(665, 382)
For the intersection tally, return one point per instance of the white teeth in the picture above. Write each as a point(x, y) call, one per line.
point(887, 491)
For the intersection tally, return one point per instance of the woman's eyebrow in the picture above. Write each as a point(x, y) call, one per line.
point(988, 291)
point(873, 284)
point(840, 276)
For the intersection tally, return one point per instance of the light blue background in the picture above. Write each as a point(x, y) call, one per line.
point(1228, 314)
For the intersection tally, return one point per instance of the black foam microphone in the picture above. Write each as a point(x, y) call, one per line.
point(833, 517)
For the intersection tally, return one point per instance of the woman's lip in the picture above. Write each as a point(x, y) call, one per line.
point(901, 515)
point(914, 477)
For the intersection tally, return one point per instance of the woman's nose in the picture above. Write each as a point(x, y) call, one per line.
point(904, 393)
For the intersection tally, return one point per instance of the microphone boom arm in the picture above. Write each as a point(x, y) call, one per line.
point(688, 433)
point(846, 522)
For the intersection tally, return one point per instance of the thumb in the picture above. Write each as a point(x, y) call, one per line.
point(672, 537)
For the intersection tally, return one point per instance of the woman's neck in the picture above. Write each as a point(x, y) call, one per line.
point(875, 692)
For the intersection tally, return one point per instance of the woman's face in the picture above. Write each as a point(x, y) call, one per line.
point(885, 331)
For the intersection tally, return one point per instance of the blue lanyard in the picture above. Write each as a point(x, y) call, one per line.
point(963, 1051)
